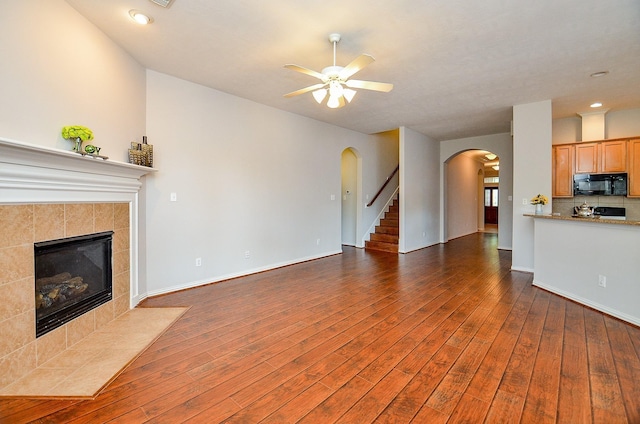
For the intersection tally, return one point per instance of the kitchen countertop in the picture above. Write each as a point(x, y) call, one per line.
point(593, 220)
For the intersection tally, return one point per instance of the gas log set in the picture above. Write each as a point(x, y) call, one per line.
point(57, 290)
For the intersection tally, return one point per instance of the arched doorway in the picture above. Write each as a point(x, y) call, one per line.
point(502, 146)
point(467, 206)
point(349, 196)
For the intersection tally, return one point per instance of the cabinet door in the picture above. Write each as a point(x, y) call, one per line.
point(562, 171)
point(613, 156)
point(634, 167)
point(586, 158)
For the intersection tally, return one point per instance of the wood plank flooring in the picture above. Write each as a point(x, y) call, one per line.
point(442, 335)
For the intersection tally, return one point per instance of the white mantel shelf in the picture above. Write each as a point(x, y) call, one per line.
point(30, 172)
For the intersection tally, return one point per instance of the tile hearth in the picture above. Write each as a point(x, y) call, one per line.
point(85, 368)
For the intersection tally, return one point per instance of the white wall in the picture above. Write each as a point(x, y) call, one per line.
point(566, 130)
point(618, 124)
point(462, 196)
point(501, 145)
point(58, 69)
point(531, 174)
point(419, 191)
point(248, 178)
point(622, 123)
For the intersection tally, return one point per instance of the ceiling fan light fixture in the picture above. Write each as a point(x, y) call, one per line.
point(334, 102)
point(335, 89)
point(319, 95)
point(335, 80)
point(349, 94)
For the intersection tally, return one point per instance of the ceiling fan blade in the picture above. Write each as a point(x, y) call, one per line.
point(357, 64)
point(370, 85)
point(307, 71)
point(305, 90)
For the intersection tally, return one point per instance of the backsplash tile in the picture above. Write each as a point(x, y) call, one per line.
point(564, 206)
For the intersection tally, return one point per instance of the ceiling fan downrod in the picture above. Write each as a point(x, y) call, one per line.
point(334, 38)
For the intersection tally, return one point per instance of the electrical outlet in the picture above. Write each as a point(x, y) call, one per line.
point(525, 201)
point(198, 261)
point(247, 254)
point(173, 197)
point(602, 280)
point(318, 242)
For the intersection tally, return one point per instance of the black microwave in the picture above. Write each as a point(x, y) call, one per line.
point(600, 185)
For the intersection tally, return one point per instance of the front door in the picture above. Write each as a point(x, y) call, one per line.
point(491, 205)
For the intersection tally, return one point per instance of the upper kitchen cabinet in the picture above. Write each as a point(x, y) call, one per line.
point(563, 170)
point(634, 167)
point(613, 156)
point(602, 157)
point(586, 158)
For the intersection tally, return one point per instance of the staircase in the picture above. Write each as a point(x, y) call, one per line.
point(386, 236)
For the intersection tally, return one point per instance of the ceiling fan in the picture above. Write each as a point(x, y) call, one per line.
point(335, 80)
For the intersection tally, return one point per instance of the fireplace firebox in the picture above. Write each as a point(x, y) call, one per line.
point(72, 277)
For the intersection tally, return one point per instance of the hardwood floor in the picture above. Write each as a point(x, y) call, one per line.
point(444, 334)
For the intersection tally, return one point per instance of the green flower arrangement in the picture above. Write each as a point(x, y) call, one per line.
point(73, 132)
point(540, 199)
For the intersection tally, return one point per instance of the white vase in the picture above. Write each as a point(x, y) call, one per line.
point(538, 208)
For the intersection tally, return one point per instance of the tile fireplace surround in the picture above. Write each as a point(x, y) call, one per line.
point(47, 194)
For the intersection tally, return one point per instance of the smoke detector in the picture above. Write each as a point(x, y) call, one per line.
point(163, 3)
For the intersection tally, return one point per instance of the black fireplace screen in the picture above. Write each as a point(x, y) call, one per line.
point(72, 277)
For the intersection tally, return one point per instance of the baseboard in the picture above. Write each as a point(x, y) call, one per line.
point(217, 279)
point(420, 248)
point(589, 303)
point(521, 269)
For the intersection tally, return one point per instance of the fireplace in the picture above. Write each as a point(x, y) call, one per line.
point(72, 276)
point(49, 194)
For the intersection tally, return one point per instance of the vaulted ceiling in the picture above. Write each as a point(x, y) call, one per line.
point(458, 66)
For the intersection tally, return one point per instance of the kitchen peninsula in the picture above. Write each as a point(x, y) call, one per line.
point(595, 262)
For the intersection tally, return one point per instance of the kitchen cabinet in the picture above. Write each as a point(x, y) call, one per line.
point(563, 170)
point(586, 158)
point(634, 167)
point(602, 157)
point(613, 156)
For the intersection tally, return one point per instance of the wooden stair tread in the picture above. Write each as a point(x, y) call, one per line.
point(385, 237)
point(382, 246)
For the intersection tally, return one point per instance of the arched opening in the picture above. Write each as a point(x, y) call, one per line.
point(471, 193)
point(350, 194)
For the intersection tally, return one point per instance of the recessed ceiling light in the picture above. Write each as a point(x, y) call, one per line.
point(599, 74)
point(140, 17)
point(596, 104)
